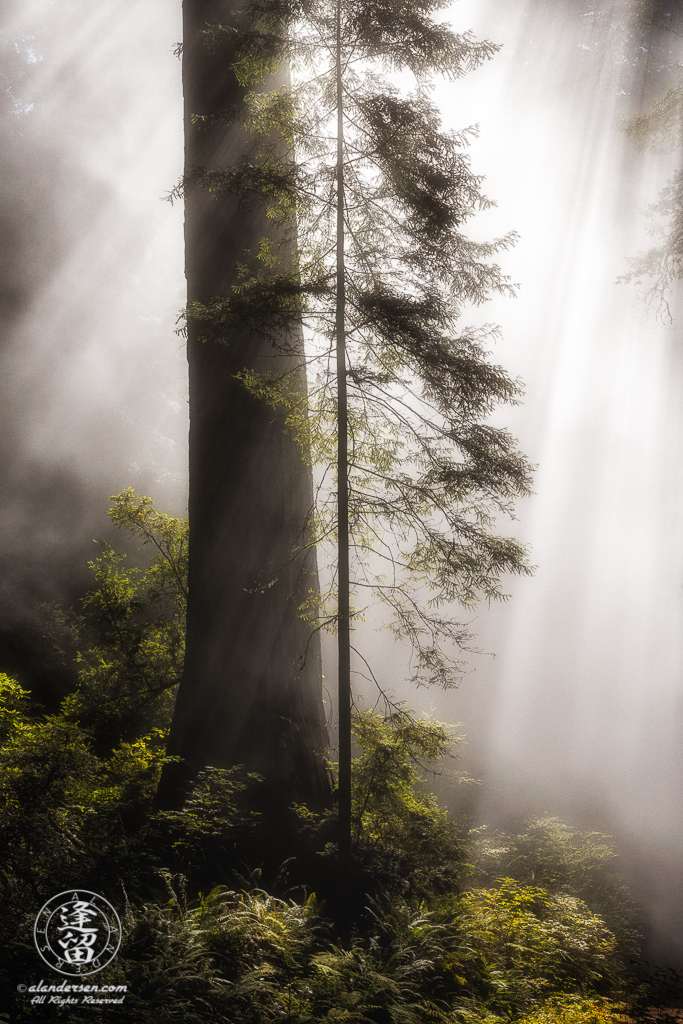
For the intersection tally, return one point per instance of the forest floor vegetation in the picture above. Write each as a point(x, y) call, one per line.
point(450, 926)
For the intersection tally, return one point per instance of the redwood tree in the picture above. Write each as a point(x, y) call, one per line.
point(385, 272)
point(251, 690)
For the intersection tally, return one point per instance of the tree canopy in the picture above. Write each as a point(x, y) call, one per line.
point(367, 195)
point(428, 474)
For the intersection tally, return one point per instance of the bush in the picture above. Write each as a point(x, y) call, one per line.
point(405, 844)
point(549, 853)
point(130, 632)
point(569, 1010)
point(77, 793)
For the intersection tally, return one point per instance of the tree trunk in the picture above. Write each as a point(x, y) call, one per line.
point(343, 574)
point(251, 692)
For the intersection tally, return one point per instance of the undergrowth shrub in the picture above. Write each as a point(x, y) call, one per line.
point(547, 852)
point(535, 943)
point(207, 836)
point(129, 633)
point(577, 1010)
point(405, 844)
point(439, 941)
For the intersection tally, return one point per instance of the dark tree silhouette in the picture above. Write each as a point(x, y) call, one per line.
point(251, 690)
point(381, 191)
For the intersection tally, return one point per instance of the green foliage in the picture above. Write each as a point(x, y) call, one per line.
point(77, 786)
point(130, 634)
point(14, 705)
point(207, 835)
point(425, 953)
point(546, 852)
point(77, 811)
point(166, 577)
point(549, 853)
point(535, 943)
point(45, 768)
point(248, 958)
point(169, 967)
point(405, 844)
point(577, 1011)
point(67, 814)
point(428, 474)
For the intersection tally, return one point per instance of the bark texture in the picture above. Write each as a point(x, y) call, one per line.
point(251, 692)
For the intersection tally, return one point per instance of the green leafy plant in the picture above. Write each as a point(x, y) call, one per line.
point(535, 942)
point(549, 853)
point(129, 635)
point(576, 1010)
point(405, 844)
point(77, 810)
point(366, 196)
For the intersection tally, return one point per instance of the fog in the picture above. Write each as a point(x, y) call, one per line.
point(91, 372)
point(579, 713)
point(92, 393)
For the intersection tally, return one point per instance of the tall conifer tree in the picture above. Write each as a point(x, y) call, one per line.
point(251, 691)
point(402, 390)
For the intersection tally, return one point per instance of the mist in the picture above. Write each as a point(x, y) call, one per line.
point(92, 377)
point(580, 712)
